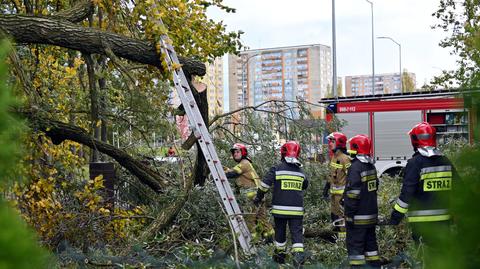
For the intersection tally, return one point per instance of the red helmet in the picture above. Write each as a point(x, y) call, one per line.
point(337, 140)
point(240, 147)
point(423, 135)
point(361, 144)
point(290, 149)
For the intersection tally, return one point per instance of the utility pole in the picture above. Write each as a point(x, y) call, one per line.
point(334, 53)
point(373, 51)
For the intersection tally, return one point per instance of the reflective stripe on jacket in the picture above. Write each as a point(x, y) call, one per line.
point(426, 189)
point(288, 183)
point(339, 165)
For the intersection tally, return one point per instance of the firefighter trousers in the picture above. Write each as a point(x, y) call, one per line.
point(335, 207)
point(362, 246)
point(296, 231)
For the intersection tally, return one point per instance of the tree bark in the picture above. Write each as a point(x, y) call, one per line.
point(94, 109)
point(201, 168)
point(77, 13)
point(59, 131)
point(41, 30)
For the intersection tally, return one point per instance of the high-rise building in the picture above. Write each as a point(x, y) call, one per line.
point(214, 81)
point(384, 83)
point(284, 73)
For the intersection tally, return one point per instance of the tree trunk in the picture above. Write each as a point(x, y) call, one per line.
point(201, 168)
point(94, 111)
point(102, 85)
point(77, 13)
point(41, 30)
point(59, 131)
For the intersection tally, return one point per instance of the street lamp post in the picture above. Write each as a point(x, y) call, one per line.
point(399, 57)
point(244, 90)
point(373, 50)
point(334, 52)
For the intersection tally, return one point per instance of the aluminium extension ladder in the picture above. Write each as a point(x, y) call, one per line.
point(200, 131)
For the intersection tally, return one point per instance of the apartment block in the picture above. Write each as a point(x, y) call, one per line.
point(384, 83)
point(214, 81)
point(284, 73)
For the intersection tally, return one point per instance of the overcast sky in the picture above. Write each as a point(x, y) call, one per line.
point(276, 23)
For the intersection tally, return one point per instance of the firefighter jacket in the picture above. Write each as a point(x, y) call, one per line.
point(246, 178)
point(339, 165)
point(360, 196)
point(425, 190)
point(288, 182)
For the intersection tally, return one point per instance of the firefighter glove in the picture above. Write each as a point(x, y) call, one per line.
point(231, 174)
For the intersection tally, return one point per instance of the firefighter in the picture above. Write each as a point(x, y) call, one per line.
point(247, 182)
point(288, 182)
point(360, 202)
point(339, 165)
point(427, 182)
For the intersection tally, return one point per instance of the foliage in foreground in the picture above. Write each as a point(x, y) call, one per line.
point(18, 246)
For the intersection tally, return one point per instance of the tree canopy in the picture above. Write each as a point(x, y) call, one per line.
point(461, 21)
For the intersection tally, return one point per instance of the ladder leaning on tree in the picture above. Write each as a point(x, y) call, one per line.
point(200, 131)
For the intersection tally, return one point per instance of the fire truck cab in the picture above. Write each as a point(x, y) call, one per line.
point(386, 119)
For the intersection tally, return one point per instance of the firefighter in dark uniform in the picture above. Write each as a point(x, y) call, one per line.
point(427, 182)
point(246, 183)
point(339, 165)
point(288, 182)
point(360, 203)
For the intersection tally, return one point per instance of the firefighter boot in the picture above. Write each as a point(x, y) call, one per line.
point(298, 259)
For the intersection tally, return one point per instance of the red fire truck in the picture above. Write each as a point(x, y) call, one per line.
point(388, 118)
